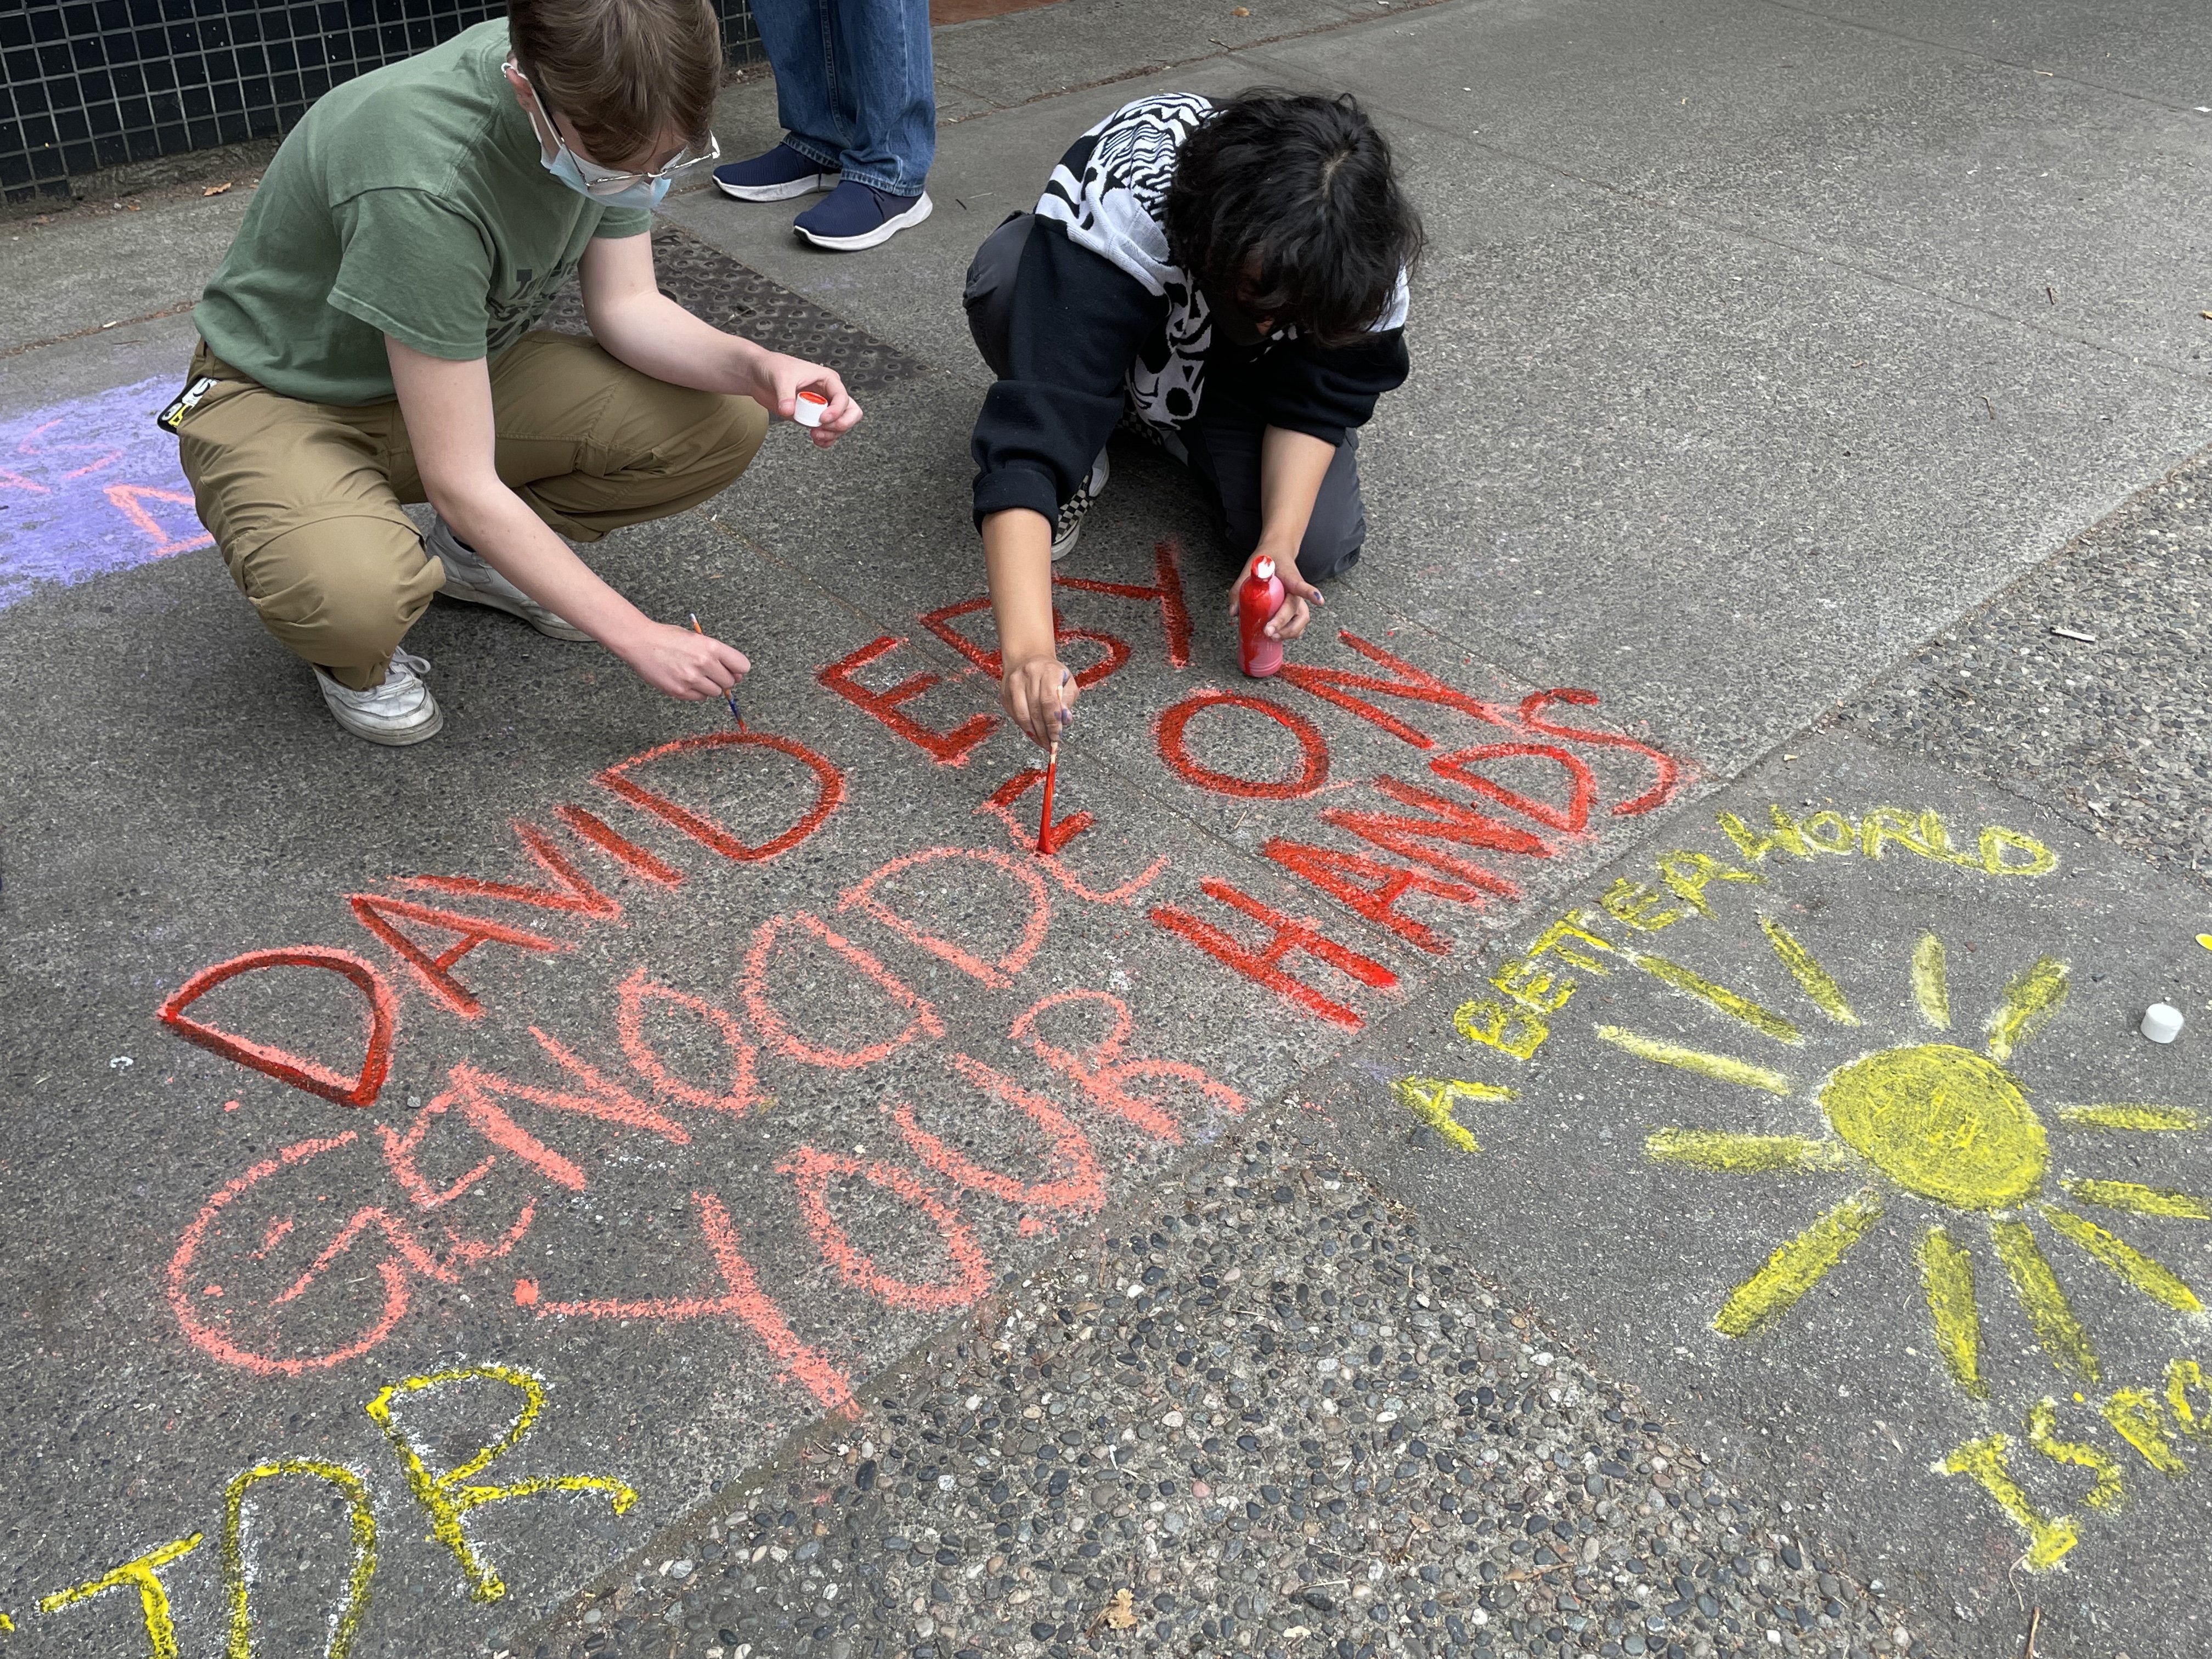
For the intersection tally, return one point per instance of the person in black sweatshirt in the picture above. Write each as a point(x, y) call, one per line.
point(1231, 277)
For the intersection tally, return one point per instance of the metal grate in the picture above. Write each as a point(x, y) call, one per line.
point(92, 84)
point(716, 288)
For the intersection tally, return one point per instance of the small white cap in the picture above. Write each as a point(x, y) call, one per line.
point(2162, 1024)
point(809, 407)
point(1265, 570)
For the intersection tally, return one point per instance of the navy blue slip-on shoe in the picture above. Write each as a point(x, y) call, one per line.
point(859, 216)
point(778, 176)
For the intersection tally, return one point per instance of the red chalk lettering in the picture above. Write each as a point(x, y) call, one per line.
point(130, 499)
point(569, 892)
point(828, 793)
point(1582, 783)
point(1666, 771)
point(742, 1299)
point(1287, 935)
point(1113, 654)
point(811, 1170)
point(378, 913)
point(1336, 686)
point(383, 1010)
point(633, 996)
point(1175, 616)
point(1078, 1184)
point(595, 830)
point(945, 748)
point(1001, 807)
point(1115, 1084)
point(997, 974)
point(1312, 749)
point(1414, 837)
point(1373, 888)
point(1056, 834)
point(776, 1031)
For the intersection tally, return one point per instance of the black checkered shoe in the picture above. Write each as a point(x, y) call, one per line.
point(1067, 529)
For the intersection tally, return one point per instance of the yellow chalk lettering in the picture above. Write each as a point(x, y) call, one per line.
point(2049, 1537)
point(1947, 1279)
point(1564, 939)
point(1787, 837)
point(1432, 1099)
point(140, 1573)
point(2182, 1376)
point(1644, 909)
point(1532, 986)
point(2140, 1421)
point(449, 1495)
point(354, 1490)
point(1831, 832)
point(2043, 1435)
point(1922, 832)
point(1996, 839)
point(1509, 1030)
point(1688, 874)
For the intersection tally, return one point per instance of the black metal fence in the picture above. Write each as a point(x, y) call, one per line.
point(93, 84)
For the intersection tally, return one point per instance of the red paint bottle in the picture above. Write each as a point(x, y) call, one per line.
point(1257, 601)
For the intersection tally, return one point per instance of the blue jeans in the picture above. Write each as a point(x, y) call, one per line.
point(853, 86)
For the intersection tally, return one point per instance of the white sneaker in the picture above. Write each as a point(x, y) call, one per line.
point(1067, 528)
point(471, 580)
point(399, 712)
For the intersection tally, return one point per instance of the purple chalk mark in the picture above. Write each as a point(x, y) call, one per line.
point(90, 486)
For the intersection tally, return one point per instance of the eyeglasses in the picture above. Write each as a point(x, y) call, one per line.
point(607, 181)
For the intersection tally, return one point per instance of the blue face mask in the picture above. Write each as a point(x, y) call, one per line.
point(641, 191)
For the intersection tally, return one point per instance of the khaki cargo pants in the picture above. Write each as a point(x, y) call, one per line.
point(304, 498)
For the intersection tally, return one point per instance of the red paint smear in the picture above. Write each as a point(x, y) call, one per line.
point(1175, 616)
point(1413, 683)
point(1079, 1186)
point(1102, 1073)
point(945, 748)
point(1002, 804)
point(779, 1036)
point(570, 891)
point(595, 830)
point(214, 1343)
point(741, 1296)
point(1313, 760)
point(997, 974)
point(374, 912)
point(1581, 782)
point(272, 1062)
point(1667, 770)
point(1413, 837)
point(1287, 935)
point(633, 995)
point(830, 793)
point(812, 1169)
point(1373, 888)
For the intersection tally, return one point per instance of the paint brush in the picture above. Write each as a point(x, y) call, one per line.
point(1051, 772)
point(731, 694)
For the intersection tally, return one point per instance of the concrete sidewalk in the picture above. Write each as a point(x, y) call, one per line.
point(653, 1126)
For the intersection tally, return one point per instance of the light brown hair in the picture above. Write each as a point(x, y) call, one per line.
point(625, 74)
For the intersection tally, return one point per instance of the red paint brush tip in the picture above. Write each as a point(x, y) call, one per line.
point(1044, 817)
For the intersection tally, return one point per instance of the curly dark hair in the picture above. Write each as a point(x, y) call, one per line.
point(1285, 206)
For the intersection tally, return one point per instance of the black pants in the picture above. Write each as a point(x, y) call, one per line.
point(1222, 448)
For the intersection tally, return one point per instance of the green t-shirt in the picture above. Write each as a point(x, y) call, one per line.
point(410, 202)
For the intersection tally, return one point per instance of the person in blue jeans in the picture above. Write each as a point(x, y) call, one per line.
point(852, 89)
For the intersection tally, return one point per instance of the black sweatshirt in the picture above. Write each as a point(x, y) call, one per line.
point(1103, 319)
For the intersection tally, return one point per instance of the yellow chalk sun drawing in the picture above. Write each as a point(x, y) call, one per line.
point(1936, 1121)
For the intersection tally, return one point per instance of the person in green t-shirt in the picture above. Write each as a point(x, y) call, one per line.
point(369, 342)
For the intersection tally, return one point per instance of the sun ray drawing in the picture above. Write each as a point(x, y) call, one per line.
point(1945, 1125)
